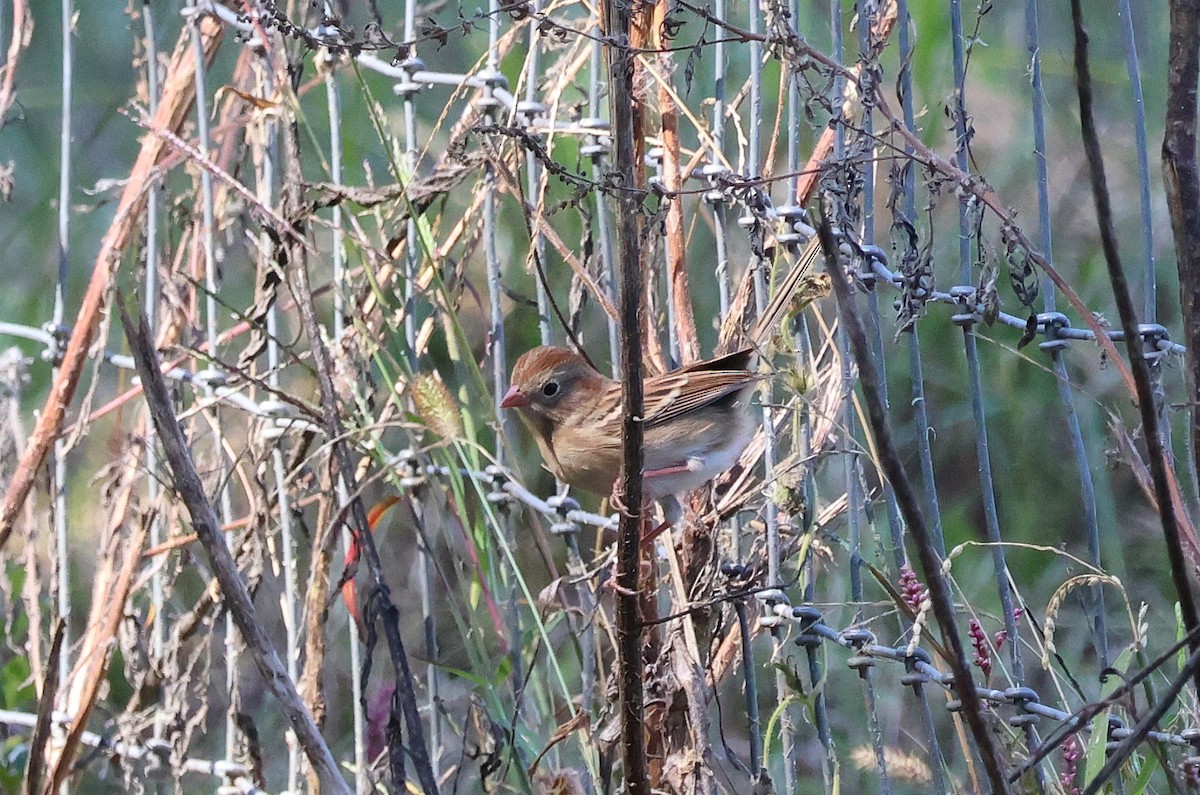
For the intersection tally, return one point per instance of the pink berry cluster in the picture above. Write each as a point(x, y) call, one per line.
point(979, 642)
point(1072, 752)
point(911, 589)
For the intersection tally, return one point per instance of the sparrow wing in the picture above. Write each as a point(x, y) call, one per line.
point(675, 394)
point(671, 395)
point(738, 360)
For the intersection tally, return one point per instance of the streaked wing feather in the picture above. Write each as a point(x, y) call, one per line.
point(677, 393)
point(606, 413)
point(738, 360)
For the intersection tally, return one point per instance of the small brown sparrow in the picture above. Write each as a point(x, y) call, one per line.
point(696, 420)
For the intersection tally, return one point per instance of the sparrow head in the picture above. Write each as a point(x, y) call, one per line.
point(548, 381)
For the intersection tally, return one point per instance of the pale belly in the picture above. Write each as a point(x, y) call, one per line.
point(671, 465)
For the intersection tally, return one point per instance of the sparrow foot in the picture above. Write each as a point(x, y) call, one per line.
point(618, 500)
point(611, 582)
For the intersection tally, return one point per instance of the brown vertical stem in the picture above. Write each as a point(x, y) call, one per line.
point(617, 19)
point(1138, 365)
point(188, 486)
point(1181, 180)
point(681, 293)
point(906, 498)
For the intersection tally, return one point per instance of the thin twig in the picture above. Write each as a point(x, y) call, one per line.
point(1133, 341)
point(267, 216)
point(190, 488)
point(906, 497)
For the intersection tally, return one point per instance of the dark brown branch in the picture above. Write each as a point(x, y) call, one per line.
point(1129, 324)
point(617, 25)
point(380, 606)
point(35, 766)
point(1181, 182)
point(914, 520)
point(190, 488)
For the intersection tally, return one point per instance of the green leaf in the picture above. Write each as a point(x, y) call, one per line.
point(13, 760)
point(16, 686)
point(1096, 755)
point(1144, 771)
point(504, 669)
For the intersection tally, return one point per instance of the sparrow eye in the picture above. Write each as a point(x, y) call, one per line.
point(550, 389)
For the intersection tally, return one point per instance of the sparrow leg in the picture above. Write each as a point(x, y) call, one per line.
point(674, 469)
point(691, 465)
point(672, 513)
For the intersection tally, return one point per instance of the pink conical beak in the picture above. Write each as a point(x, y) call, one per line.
point(514, 398)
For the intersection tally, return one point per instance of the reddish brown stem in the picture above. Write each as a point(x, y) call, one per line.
point(173, 109)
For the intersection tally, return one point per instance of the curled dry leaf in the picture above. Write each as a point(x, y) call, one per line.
point(374, 517)
point(549, 597)
point(577, 722)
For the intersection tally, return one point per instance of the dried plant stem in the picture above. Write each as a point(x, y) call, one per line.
point(681, 293)
point(617, 19)
point(118, 561)
point(1133, 341)
point(310, 686)
point(190, 488)
point(1181, 181)
point(22, 33)
point(178, 96)
point(906, 496)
